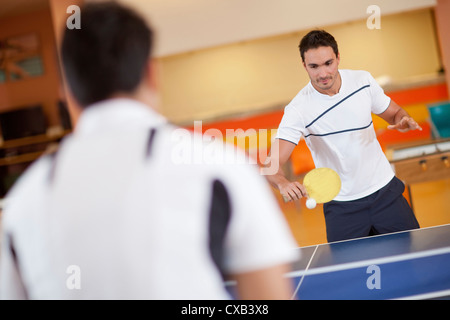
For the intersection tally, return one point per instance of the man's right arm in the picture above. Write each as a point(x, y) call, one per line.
point(279, 154)
point(269, 283)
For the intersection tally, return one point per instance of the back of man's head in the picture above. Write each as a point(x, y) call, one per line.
point(108, 55)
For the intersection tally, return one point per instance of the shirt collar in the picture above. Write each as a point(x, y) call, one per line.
point(115, 113)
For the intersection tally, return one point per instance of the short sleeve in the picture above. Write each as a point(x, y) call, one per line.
point(380, 101)
point(291, 125)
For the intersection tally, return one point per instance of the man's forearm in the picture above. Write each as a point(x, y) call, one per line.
point(276, 179)
point(399, 115)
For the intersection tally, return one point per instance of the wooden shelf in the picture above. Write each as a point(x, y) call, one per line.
point(44, 138)
point(27, 157)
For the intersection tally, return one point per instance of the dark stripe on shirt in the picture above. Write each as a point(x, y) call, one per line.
point(150, 141)
point(331, 108)
point(219, 218)
point(51, 174)
point(337, 132)
point(15, 261)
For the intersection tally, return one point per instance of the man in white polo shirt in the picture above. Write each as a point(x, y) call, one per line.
point(112, 215)
point(333, 114)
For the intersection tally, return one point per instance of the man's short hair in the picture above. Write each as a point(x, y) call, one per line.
point(315, 39)
point(108, 54)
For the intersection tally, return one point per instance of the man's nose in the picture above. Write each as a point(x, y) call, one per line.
point(323, 72)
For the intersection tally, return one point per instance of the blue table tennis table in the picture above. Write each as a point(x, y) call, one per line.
point(405, 265)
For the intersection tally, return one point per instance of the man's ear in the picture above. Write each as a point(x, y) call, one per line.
point(152, 74)
point(150, 84)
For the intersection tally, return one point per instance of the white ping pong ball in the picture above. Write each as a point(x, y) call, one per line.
point(310, 203)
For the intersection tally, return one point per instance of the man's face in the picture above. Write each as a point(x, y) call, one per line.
point(322, 67)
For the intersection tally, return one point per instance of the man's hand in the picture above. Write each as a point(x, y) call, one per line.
point(399, 119)
point(292, 191)
point(405, 124)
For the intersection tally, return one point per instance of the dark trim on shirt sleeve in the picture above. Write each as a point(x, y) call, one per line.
point(390, 100)
point(287, 140)
point(219, 219)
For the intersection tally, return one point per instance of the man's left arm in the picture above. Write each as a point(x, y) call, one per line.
point(399, 119)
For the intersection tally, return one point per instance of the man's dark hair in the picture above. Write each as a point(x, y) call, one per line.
point(315, 39)
point(108, 54)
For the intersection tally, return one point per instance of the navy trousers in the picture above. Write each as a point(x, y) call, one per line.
point(384, 211)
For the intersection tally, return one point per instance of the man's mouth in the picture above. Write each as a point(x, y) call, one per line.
point(324, 81)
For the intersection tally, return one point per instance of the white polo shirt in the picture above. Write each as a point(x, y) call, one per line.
point(339, 132)
point(112, 216)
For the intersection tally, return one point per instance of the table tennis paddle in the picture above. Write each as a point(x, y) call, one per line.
point(322, 185)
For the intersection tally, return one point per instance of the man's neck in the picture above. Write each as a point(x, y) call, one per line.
point(142, 94)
